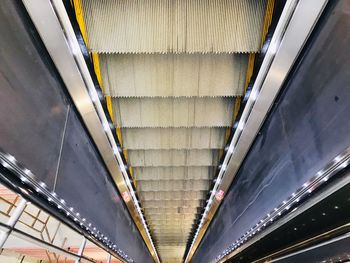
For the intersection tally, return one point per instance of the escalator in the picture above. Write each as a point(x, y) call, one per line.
point(179, 131)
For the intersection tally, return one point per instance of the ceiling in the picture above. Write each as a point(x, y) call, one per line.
point(173, 69)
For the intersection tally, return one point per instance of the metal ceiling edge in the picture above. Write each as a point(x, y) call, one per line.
point(52, 22)
point(295, 25)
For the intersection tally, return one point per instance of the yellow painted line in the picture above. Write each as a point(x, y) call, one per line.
point(110, 111)
point(250, 70)
point(80, 18)
point(97, 68)
point(267, 19)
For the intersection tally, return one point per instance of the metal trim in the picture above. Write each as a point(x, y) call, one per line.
point(295, 25)
point(53, 25)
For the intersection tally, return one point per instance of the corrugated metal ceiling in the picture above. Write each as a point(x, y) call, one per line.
point(173, 108)
point(174, 26)
point(173, 75)
point(173, 112)
point(172, 158)
point(173, 138)
point(182, 173)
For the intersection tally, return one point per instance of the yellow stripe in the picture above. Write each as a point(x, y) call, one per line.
point(96, 63)
point(267, 19)
point(80, 18)
point(110, 108)
point(250, 70)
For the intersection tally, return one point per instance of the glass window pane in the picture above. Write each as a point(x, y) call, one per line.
point(16, 248)
point(39, 224)
point(115, 260)
point(94, 252)
point(67, 239)
point(8, 199)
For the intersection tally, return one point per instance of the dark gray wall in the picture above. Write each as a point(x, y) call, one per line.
point(37, 120)
point(306, 129)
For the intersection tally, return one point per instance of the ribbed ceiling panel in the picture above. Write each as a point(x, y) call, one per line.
point(184, 229)
point(173, 252)
point(185, 173)
point(170, 210)
point(173, 185)
point(170, 112)
point(175, 158)
point(170, 75)
point(173, 138)
point(173, 71)
point(174, 223)
point(166, 220)
point(171, 203)
point(176, 26)
point(174, 217)
point(173, 111)
point(173, 195)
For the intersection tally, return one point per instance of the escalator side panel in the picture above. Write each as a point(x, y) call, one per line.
point(37, 118)
point(305, 130)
